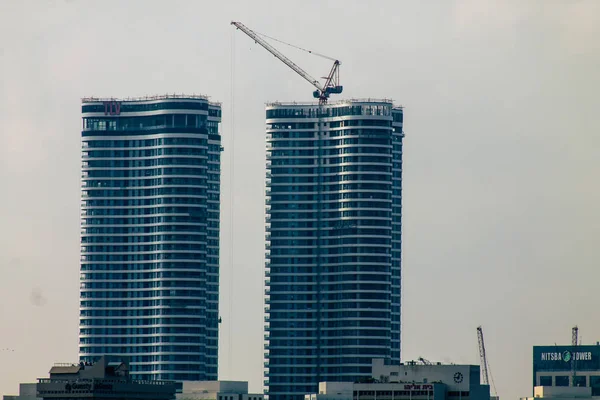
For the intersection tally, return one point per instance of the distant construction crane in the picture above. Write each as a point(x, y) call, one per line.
point(424, 361)
point(484, 362)
point(574, 340)
point(332, 80)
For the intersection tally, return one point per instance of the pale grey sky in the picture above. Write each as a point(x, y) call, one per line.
point(501, 169)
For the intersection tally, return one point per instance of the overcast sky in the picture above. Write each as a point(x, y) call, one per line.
point(501, 169)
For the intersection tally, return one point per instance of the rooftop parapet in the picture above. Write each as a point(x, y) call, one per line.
point(150, 98)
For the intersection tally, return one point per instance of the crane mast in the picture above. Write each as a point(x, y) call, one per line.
point(574, 340)
point(331, 85)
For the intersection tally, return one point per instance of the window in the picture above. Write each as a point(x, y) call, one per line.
point(579, 381)
point(545, 381)
point(595, 384)
point(562, 380)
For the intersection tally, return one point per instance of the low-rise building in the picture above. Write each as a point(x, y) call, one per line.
point(27, 391)
point(216, 390)
point(564, 366)
point(410, 381)
point(566, 372)
point(108, 378)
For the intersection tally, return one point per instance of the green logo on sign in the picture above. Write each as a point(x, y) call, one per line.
point(567, 356)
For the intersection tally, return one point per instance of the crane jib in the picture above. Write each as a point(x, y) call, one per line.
point(331, 86)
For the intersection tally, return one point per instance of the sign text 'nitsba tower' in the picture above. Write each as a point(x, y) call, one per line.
point(334, 191)
point(150, 235)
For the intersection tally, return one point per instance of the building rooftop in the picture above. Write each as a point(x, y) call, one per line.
point(107, 378)
point(332, 103)
point(59, 369)
point(105, 367)
point(93, 99)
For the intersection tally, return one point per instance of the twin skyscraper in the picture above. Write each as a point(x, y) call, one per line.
point(150, 238)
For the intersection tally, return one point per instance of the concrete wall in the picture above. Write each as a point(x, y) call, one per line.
point(217, 390)
point(197, 387)
point(27, 391)
point(562, 391)
point(336, 388)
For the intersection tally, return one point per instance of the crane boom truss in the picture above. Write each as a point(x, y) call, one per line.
point(277, 54)
point(482, 356)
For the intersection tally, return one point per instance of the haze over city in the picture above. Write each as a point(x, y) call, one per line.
point(500, 175)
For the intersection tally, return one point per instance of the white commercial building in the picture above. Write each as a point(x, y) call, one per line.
point(410, 381)
point(216, 390)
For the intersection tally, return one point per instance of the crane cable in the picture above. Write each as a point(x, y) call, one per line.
point(231, 204)
point(296, 47)
point(492, 378)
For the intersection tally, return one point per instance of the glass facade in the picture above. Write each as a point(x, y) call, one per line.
point(333, 259)
point(150, 235)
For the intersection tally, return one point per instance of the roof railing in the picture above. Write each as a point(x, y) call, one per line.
point(333, 103)
point(148, 98)
point(103, 380)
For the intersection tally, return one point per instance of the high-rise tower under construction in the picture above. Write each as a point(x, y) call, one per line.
point(333, 273)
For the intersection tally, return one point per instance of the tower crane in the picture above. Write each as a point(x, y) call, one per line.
point(483, 357)
point(424, 361)
point(332, 81)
